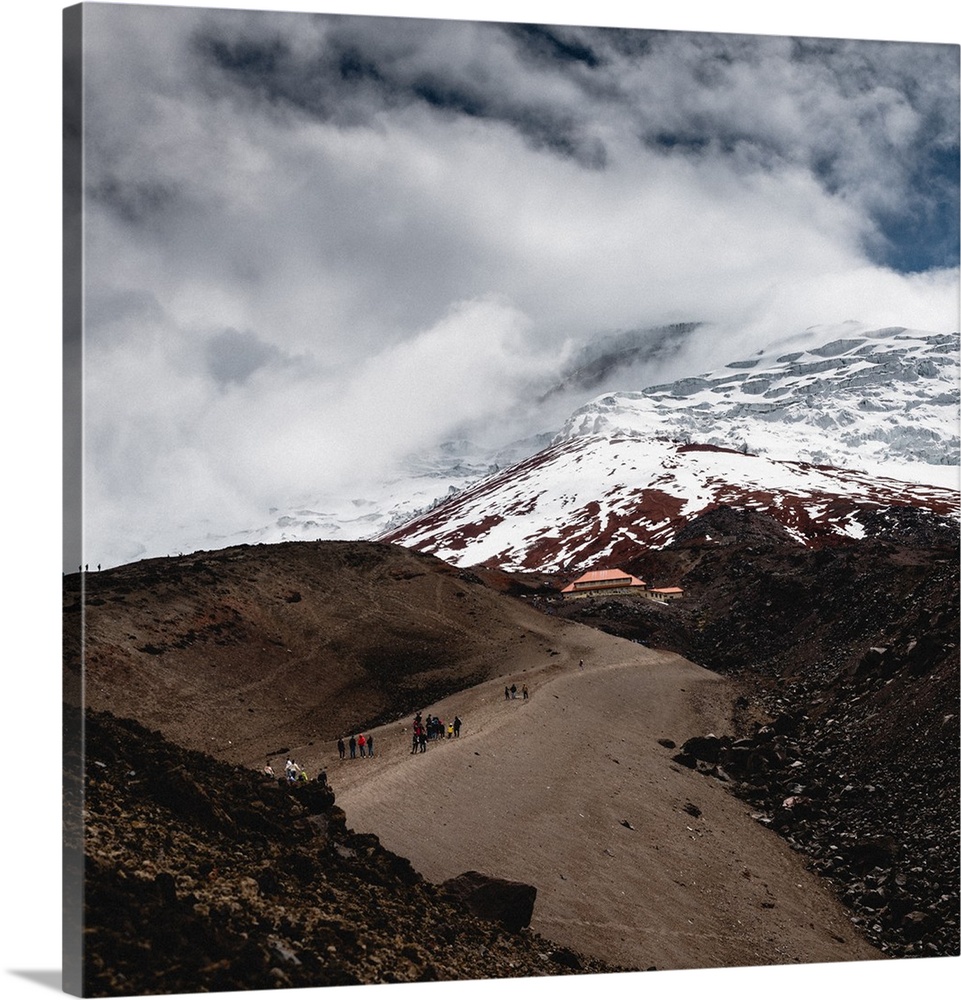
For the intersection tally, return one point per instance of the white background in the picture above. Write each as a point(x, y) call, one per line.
point(30, 962)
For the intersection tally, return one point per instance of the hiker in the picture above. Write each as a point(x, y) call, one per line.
point(269, 771)
point(370, 746)
point(293, 770)
point(450, 729)
point(457, 725)
point(513, 690)
point(341, 748)
point(362, 743)
point(525, 692)
point(507, 693)
point(414, 740)
point(423, 741)
point(353, 747)
point(580, 666)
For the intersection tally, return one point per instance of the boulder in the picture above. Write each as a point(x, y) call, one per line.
point(706, 748)
point(501, 900)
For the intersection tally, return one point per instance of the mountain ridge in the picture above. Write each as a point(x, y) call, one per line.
point(820, 438)
point(883, 402)
point(598, 498)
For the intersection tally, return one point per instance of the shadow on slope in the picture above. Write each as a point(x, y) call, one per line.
point(300, 642)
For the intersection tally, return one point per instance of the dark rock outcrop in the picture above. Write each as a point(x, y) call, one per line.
point(501, 900)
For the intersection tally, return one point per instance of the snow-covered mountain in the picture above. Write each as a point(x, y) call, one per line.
point(595, 499)
point(881, 401)
point(820, 439)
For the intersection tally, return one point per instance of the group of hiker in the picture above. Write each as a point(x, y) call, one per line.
point(424, 731)
point(363, 744)
point(292, 771)
point(432, 728)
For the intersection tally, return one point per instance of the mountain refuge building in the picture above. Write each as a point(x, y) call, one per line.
point(600, 582)
point(665, 593)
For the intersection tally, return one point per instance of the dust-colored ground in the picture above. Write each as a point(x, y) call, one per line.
point(571, 792)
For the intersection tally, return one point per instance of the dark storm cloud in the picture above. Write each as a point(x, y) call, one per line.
point(550, 45)
point(269, 69)
point(873, 122)
point(541, 128)
point(352, 76)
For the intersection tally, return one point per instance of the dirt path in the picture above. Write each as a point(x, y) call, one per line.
point(571, 792)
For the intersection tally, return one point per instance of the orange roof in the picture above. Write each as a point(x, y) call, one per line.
point(601, 578)
point(667, 590)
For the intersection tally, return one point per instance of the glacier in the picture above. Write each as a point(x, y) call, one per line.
point(886, 402)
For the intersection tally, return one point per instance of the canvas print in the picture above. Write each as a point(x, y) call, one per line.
point(511, 500)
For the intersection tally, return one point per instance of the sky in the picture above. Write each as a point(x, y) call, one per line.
point(317, 243)
point(32, 441)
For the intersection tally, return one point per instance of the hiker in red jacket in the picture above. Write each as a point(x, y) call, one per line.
point(362, 745)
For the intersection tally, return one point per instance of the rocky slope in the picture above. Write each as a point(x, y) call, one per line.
point(201, 876)
point(847, 741)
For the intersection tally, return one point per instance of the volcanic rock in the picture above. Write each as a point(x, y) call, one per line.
point(509, 903)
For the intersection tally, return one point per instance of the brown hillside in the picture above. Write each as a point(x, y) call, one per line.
point(253, 649)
